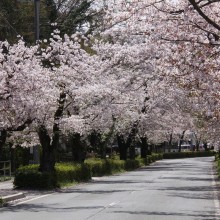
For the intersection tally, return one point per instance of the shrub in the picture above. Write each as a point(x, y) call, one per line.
point(176, 155)
point(132, 164)
point(70, 172)
point(96, 166)
point(2, 202)
point(65, 173)
point(29, 177)
point(99, 167)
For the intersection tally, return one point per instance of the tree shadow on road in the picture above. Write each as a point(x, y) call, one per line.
point(205, 196)
point(92, 191)
point(47, 208)
point(198, 215)
point(189, 188)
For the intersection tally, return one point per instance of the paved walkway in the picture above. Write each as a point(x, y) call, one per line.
point(8, 193)
point(11, 195)
point(7, 188)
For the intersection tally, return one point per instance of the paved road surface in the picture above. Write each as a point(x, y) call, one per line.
point(169, 189)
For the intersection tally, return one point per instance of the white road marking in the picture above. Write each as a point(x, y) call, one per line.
point(35, 198)
point(112, 204)
point(96, 178)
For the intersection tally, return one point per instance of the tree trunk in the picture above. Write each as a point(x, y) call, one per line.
point(144, 147)
point(47, 162)
point(181, 140)
point(78, 151)
point(170, 142)
point(131, 139)
point(102, 150)
point(122, 147)
point(205, 146)
point(49, 147)
point(131, 152)
point(2, 142)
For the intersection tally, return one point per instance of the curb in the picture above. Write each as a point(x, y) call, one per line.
point(13, 197)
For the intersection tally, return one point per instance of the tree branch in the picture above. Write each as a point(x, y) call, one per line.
point(203, 15)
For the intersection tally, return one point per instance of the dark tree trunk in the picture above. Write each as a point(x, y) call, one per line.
point(78, 150)
point(144, 147)
point(129, 144)
point(205, 146)
point(149, 151)
point(122, 147)
point(47, 162)
point(131, 152)
point(181, 140)
point(131, 139)
point(170, 142)
point(197, 142)
point(98, 144)
point(103, 150)
point(2, 142)
point(49, 148)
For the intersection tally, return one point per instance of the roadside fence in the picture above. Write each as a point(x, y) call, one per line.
point(5, 170)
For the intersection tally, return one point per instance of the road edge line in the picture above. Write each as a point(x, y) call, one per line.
point(32, 199)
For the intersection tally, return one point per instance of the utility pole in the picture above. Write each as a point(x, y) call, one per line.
point(36, 19)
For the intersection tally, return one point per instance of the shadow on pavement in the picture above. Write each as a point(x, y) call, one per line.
point(198, 215)
point(52, 208)
point(206, 196)
point(91, 191)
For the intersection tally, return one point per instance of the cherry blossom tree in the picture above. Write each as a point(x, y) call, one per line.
point(185, 37)
point(152, 61)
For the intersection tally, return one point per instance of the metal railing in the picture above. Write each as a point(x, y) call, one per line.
point(5, 170)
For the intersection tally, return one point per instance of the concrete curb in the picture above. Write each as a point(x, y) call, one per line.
point(13, 197)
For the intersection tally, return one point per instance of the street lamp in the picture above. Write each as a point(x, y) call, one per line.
point(36, 19)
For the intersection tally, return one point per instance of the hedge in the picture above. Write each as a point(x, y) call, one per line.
point(29, 176)
point(65, 173)
point(176, 155)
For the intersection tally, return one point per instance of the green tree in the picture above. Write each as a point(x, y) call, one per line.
point(17, 18)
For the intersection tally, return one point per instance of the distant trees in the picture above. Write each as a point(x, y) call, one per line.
point(17, 18)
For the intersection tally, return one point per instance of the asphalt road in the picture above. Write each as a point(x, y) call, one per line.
point(169, 189)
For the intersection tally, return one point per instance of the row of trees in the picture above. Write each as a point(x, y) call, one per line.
point(149, 72)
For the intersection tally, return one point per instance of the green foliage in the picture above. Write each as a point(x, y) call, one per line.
point(17, 18)
point(2, 202)
point(29, 177)
point(99, 167)
point(150, 159)
point(177, 155)
point(132, 164)
point(70, 173)
point(66, 173)
point(21, 157)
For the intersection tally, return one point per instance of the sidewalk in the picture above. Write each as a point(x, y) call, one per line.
point(8, 193)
